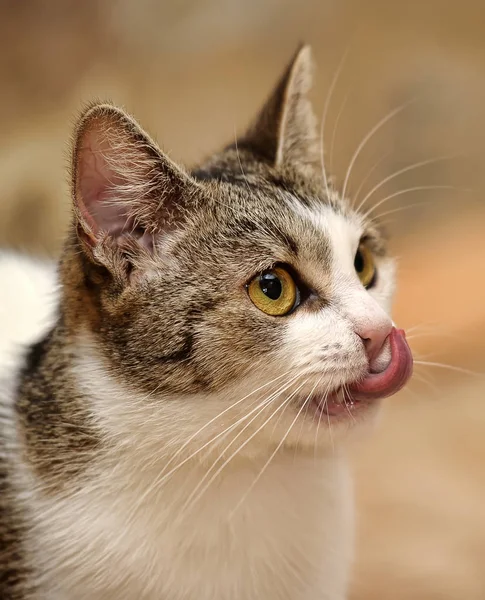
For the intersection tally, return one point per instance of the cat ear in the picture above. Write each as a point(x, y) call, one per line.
point(125, 189)
point(285, 130)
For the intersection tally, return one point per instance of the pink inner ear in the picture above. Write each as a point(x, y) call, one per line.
point(97, 183)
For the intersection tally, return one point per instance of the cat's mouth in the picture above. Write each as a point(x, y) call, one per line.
point(373, 386)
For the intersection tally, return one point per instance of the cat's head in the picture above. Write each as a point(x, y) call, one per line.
point(244, 298)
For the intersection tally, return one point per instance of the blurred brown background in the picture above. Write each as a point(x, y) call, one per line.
point(194, 72)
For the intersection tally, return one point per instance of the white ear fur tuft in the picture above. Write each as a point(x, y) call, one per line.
point(123, 185)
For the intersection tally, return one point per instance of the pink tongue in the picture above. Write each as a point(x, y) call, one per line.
point(393, 378)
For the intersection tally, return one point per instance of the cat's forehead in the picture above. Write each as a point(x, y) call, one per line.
point(241, 186)
point(254, 216)
point(259, 223)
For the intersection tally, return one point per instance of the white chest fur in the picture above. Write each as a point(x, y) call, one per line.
point(289, 540)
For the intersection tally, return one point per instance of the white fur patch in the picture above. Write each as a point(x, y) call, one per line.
point(28, 296)
point(328, 341)
point(124, 534)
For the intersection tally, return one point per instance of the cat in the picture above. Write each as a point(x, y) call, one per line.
point(179, 431)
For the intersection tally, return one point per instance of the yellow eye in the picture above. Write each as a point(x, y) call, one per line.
point(274, 292)
point(365, 267)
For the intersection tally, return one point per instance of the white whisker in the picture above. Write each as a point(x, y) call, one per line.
point(412, 167)
point(347, 393)
point(193, 498)
point(324, 117)
point(390, 115)
point(327, 391)
point(369, 173)
point(308, 404)
point(218, 416)
point(273, 454)
point(419, 377)
point(165, 475)
point(378, 217)
point(417, 188)
point(335, 128)
point(450, 367)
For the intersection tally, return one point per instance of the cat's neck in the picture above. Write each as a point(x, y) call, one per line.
point(125, 483)
point(73, 412)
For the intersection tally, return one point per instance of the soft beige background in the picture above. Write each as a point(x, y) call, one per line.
point(194, 72)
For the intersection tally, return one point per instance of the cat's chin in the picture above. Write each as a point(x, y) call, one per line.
point(366, 392)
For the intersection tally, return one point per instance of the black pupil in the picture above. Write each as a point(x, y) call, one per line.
point(359, 262)
point(270, 285)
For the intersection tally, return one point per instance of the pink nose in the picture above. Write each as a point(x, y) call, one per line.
point(374, 338)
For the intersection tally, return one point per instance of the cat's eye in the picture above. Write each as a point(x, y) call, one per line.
point(274, 292)
point(365, 266)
